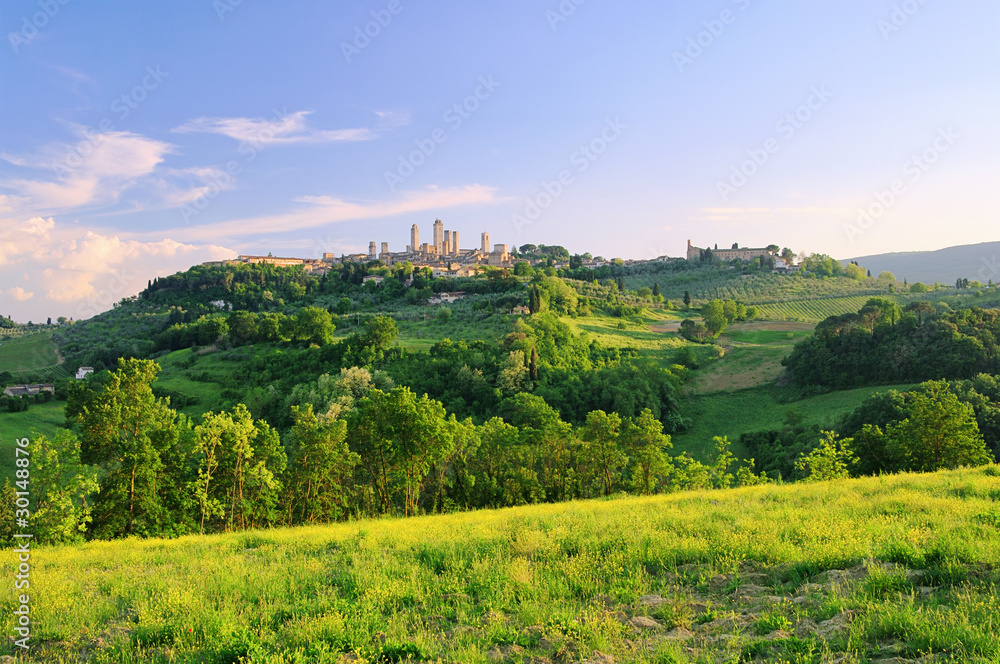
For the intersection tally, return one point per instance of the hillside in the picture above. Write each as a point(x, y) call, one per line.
point(887, 569)
point(977, 262)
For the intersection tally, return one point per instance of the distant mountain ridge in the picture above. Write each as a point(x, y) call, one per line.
point(978, 262)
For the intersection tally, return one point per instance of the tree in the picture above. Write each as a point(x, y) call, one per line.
point(939, 432)
point(832, 460)
point(920, 308)
point(602, 448)
point(523, 269)
point(656, 289)
point(319, 471)
point(504, 466)
point(398, 438)
point(719, 473)
point(714, 315)
point(239, 462)
point(126, 430)
point(534, 299)
point(646, 444)
point(514, 374)
point(211, 329)
point(60, 486)
point(314, 325)
point(687, 299)
point(344, 306)
point(378, 332)
point(855, 271)
point(544, 431)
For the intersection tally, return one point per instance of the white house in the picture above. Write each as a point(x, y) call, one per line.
point(83, 372)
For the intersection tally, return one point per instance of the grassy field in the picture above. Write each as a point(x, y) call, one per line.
point(40, 418)
point(759, 408)
point(753, 356)
point(882, 569)
point(176, 376)
point(31, 351)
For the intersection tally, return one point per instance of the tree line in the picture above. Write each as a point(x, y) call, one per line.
point(884, 343)
point(131, 465)
point(935, 426)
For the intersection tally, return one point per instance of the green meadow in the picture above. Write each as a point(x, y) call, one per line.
point(889, 569)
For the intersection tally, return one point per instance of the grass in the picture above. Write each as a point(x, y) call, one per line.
point(177, 372)
point(753, 356)
point(28, 352)
point(761, 408)
point(652, 333)
point(40, 418)
point(861, 569)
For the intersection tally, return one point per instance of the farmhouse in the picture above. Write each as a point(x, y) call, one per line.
point(29, 390)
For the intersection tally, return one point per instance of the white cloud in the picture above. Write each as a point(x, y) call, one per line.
point(19, 293)
point(284, 128)
point(78, 272)
point(316, 211)
point(95, 170)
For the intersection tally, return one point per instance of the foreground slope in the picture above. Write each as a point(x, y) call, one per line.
point(868, 569)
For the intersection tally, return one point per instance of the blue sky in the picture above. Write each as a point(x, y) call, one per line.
point(137, 139)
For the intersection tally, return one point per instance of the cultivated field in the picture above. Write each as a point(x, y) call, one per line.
point(886, 569)
point(30, 351)
point(813, 311)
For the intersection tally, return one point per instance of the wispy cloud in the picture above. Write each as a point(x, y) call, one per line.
point(94, 171)
point(316, 211)
point(392, 119)
point(288, 128)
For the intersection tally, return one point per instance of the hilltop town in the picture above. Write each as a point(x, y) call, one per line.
point(443, 256)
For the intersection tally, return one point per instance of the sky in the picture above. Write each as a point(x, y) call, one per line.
point(138, 139)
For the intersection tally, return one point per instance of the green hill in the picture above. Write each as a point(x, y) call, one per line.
point(878, 569)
